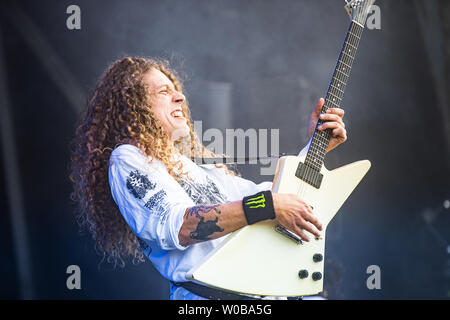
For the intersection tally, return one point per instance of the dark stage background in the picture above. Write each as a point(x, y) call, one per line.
point(256, 64)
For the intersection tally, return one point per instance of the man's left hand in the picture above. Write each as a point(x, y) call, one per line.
point(333, 120)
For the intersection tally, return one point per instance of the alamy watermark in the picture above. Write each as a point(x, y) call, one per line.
point(374, 18)
point(73, 21)
point(235, 143)
point(74, 280)
point(374, 280)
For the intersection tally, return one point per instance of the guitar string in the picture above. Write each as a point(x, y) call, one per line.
point(351, 39)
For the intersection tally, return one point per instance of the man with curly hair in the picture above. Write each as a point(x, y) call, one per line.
point(139, 191)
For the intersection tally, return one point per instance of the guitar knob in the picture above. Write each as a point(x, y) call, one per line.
point(316, 276)
point(317, 257)
point(303, 274)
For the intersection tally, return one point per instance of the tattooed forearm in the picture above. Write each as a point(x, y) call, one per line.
point(205, 229)
point(197, 211)
point(211, 221)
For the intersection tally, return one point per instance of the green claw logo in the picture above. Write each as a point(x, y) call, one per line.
point(256, 202)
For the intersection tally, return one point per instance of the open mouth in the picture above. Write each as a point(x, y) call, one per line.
point(177, 114)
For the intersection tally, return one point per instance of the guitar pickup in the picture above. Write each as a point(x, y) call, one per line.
point(289, 234)
point(309, 175)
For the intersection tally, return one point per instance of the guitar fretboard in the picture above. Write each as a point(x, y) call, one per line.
point(335, 93)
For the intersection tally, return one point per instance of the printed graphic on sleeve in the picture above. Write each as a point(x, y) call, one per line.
point(202, 193)
point(138, 184)
point(157, 204)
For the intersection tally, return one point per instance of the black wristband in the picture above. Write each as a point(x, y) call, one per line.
point(258, 207)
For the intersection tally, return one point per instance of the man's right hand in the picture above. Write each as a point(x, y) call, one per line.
point(296, 215)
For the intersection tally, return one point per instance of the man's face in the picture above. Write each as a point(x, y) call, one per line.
point(166, 104)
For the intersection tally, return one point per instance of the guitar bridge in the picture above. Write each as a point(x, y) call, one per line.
point(309, 175)
point(287, 233)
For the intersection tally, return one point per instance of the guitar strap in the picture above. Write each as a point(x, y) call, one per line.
point(215, 294)
point(211, 293)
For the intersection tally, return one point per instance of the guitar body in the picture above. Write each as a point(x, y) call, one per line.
point(258, 260)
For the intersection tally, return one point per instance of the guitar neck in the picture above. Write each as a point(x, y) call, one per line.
point(335, 94)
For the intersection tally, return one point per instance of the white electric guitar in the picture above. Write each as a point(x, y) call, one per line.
point(267, 259)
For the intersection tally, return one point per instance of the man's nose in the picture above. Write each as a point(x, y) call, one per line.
point(179, 97)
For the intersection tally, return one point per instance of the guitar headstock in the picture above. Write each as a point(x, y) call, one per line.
point(358, 10)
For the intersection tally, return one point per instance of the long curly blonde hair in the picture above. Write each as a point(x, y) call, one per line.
point(119, 112)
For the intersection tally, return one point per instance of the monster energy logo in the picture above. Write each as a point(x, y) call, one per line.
point(256, 202)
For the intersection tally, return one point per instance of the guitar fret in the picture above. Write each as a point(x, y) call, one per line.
point(340, 82)
point(346, 58)
point(337, 106)
point(338, 78)
point(342, 73)
point(351, 57)
point(321, 139)
point(320, 149)
point(359, 29)
point(356, 36)
point(345, 64)
point(334, 96)
point(351, 45)
point(323, 143)
point(337, 89)
point(349, 51)
point(320, 145)
point(354, 39)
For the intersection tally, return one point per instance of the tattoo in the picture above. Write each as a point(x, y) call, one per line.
point(197, 211)
point(205, 229)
